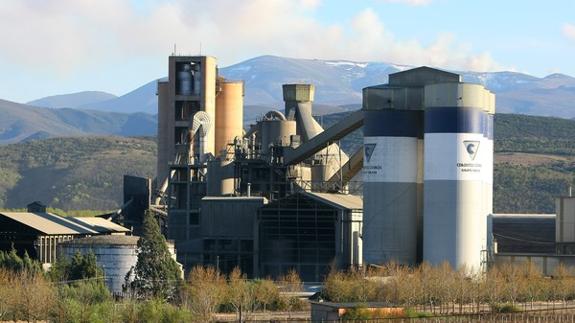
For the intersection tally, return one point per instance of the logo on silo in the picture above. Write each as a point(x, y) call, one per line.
point(471, 146)
point(368, 151)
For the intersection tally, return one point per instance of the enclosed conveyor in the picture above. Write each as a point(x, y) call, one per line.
point(323, 139)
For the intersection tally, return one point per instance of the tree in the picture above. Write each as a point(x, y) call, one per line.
point(204, 292)
point(156, 274)
point(80, 267)
point(238, 294)
point(11, 261)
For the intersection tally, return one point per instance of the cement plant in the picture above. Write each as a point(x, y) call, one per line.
point(280, 197)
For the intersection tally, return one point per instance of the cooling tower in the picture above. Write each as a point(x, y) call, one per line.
point(458, 158)
point(229, 113)
point(392, 176)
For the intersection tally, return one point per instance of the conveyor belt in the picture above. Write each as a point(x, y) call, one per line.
point(320, 141)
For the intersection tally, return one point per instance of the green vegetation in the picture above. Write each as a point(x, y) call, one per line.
point(535, 161)
point(34, 296)
point(12, 262)
point(80, 267)
point(156, 274)
point(72, 173)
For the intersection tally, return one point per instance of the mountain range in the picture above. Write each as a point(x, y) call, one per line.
point(21, 122)
point(338, 88)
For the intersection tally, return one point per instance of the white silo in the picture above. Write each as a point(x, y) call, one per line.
point(392, 177)
point(115, 254)
point(458, 159)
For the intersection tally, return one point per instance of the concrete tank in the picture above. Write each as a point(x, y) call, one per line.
point(276, 132)
point(229, 113)
point(115, 254)
point(458, 161)
point(392, 184)
point(220, 177)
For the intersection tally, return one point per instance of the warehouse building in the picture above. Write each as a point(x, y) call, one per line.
point(38, 232)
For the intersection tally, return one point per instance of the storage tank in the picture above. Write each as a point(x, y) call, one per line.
point(457, 162)
point(229, 113)
point(275, 130)
point(220, 177)
point(115, 254)
point(392, 177)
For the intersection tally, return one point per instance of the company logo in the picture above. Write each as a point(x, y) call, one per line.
point(471, 146)
point(368, 151)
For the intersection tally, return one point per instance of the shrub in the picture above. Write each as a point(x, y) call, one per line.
point(505, 308)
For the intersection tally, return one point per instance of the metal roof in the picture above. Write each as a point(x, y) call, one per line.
point(53, 224)
point(100, 224)
point(345, 201)
point(48, 223)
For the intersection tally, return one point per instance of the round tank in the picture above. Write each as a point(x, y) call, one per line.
point(220, 177)
point(115, 254)
point(276, 132)
point(392, 185)
point(186, 80)
point(457, 161)
point(229, 114)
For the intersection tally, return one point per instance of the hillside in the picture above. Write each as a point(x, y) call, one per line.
point(340, 82)
point(72, 100)
point(535, 161)
point(21, 122)
point(72, 173)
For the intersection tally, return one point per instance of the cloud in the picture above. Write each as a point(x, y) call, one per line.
point(63, 36)
point(569, 31)
point(410, 2)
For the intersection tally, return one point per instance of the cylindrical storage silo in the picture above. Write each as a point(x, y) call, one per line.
point(115, 254)
point(220, 177)
point(392, 185)
point(229, 113)
point(276, 132)
point(455, 158)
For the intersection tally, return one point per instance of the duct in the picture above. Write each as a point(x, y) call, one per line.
point(201, 123)
point(274, 115)
point(349, 169)
point(319, 142)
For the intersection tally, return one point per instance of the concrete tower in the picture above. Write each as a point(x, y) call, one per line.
point(298, 100)
point(458, 162)
point(428, 169)
point(393, 166)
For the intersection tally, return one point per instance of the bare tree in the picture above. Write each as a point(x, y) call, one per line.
point(204, 292)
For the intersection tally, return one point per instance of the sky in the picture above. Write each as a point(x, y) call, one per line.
point(50, 47)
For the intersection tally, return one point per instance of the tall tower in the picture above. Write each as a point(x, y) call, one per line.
point(393, 166)
point(428, 168)
point(186, 138)
point(458, 173)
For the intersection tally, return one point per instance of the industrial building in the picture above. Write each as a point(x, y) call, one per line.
point(544, 240)
point(428, 141)
point(219, 184)
point(273, 196)
point(39, 233)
